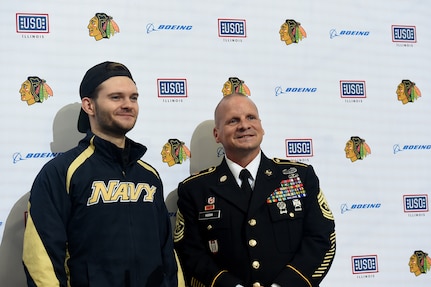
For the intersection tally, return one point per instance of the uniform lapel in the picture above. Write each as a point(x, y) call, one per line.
point(266, 182)
point(228, 189)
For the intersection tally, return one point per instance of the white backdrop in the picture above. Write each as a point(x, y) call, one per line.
point(298, 89)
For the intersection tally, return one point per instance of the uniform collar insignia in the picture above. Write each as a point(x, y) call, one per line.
point(268, 172)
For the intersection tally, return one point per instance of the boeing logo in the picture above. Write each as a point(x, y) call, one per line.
point(17, 157)
point(279, 90)
point(333, 33)
point(397, 148)
point(344, 207)
point(151, 28)
point(220, 152)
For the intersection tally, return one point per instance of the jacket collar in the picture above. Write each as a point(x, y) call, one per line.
point(111, 151)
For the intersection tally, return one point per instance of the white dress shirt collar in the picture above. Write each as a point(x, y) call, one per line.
point(252, 167)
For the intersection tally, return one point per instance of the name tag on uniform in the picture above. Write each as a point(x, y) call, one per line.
point(213, 214)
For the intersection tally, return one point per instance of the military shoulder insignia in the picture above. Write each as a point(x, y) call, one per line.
point(324, 207)
point(201, 173)
point(286, 161)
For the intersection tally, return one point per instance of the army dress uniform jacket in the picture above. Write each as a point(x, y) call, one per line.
point(285, 234)
point(96, 220)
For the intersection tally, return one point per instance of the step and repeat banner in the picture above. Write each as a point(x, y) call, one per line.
point(343, 86)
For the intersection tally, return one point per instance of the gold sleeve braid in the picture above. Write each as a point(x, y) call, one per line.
point(329, 256)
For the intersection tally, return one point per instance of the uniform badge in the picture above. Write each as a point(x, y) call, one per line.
point(213, 245)
point(268, 172)
point(282, 207)
point(297, 204)
point(289, 171)
point(212, 214)
point(211, 205)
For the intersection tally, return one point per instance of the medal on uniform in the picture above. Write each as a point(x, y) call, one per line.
point(297, 204)
point(213, 245)
point(282, 207)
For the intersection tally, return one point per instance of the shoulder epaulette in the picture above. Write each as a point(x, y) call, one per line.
point(201, 173)
point(286, 161)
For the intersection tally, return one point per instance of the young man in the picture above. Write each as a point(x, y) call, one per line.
point(97, 215)
point(279, 233)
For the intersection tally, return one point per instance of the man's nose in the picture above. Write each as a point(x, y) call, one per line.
point(244, 124)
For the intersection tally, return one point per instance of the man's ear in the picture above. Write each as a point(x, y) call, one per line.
point(87, 105)
point(215, 133)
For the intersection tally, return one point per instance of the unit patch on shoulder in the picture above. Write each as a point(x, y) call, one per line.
point(324, 207)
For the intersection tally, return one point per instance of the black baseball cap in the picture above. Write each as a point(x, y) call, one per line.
point(92, 79)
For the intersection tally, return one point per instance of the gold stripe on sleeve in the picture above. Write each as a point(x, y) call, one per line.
point(35, 257)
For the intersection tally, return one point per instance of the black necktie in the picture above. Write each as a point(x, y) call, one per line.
point(244, 175)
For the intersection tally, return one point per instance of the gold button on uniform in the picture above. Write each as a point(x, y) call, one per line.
point(252, 242)
point(252, 222)
point(209, 227)
point(292, 214)
point(255, 264)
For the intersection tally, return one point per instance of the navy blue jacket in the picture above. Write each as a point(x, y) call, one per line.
point(98, 218)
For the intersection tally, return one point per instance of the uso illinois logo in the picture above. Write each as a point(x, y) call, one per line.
point(232, 28)
point(415, 203)
point(32, 23)
point(352, 89)
point(364, 264)
point(299, 147)
point(404, 34)
point(172, 88)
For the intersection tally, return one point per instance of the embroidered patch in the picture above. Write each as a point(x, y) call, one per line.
point(179, 227)
point(324, 207)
